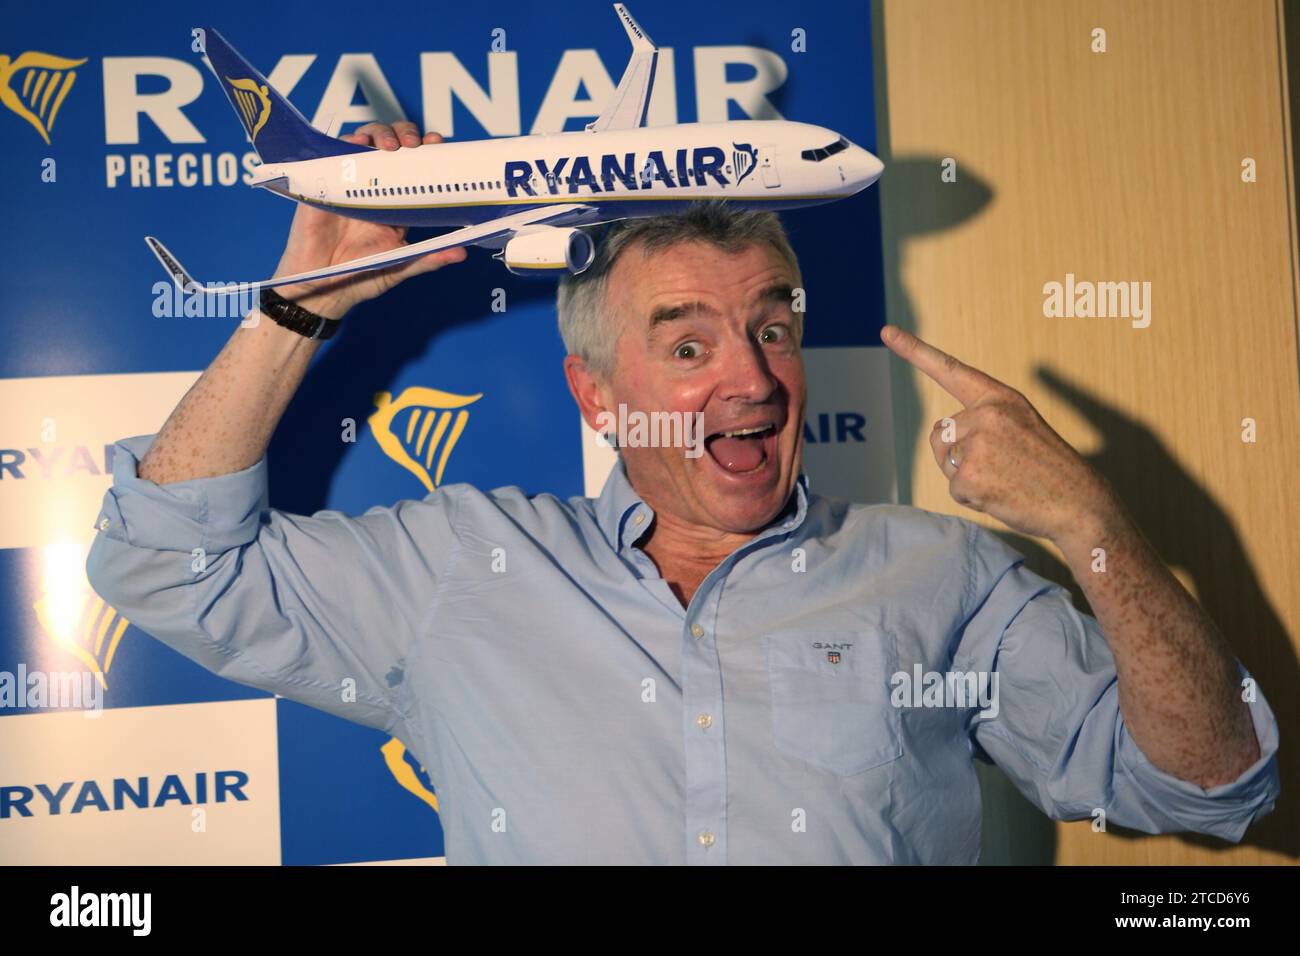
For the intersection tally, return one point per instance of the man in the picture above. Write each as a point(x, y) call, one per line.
point(709, 663)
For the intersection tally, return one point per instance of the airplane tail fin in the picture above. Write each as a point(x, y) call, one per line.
point(278, 132)
point(630, 105)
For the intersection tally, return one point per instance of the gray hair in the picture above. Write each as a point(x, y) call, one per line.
point(581, 301)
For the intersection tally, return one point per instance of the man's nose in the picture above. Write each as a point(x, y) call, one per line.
point(746, 374)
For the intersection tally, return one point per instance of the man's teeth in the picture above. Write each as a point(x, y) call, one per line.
point(745, 431)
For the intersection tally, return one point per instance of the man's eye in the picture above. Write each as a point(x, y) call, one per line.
point(774, 333)
point(688, 350)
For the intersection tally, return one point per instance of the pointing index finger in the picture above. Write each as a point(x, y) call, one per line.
point(963, 382)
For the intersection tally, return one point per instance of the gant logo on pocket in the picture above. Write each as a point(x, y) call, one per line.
point(833, 651)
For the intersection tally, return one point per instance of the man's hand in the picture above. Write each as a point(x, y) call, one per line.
point(1010, 463)
point(318, 238)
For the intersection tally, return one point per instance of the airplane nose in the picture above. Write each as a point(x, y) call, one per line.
point(869, 167)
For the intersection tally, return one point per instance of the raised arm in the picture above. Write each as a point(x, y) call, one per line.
point(321, 609)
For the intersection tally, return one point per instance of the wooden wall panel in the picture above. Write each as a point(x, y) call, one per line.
point(1115, 166)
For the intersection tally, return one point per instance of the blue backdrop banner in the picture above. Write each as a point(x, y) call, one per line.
point(113, 130)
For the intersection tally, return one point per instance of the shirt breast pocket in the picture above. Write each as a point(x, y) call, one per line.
point(830, 698)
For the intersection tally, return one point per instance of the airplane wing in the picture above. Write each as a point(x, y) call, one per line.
point(492, 233)
point(627, 109)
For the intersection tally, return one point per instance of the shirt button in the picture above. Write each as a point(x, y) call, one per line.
point(697, 630)
point(705, 721)
point(639, 518)
point(103, 524)
point(706, 838)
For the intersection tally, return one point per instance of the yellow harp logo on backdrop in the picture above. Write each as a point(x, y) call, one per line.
point(404, 773)
point(253, 104)
point(418, 431)
point(34, 87)
point(84, 625)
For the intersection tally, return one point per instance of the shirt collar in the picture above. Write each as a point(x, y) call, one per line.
point(624, 516)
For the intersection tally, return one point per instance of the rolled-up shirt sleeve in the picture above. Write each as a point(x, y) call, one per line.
point(1059, 734)
point(320, 609)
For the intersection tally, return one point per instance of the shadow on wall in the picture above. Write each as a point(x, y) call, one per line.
point(1163, 497)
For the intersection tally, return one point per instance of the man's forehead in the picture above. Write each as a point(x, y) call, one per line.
point(778, 292)
point(693, 278)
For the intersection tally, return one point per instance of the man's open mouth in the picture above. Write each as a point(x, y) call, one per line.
point(742, 450)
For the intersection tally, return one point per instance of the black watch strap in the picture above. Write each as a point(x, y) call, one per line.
point(293, 316)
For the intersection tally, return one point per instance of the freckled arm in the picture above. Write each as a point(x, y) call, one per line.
point(225, 421)
point(1179, 688)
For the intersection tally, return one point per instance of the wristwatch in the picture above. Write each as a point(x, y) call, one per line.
point(293, 316)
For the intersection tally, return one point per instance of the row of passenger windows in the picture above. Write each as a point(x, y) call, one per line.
point(413, 190)
point(608, 183)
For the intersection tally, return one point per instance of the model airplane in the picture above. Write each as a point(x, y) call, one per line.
point(526, 196)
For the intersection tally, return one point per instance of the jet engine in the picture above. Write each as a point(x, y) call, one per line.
point(548, 250)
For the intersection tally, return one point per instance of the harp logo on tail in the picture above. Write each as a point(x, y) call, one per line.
point(420, 429)
point(35, 85)
point(253, 104)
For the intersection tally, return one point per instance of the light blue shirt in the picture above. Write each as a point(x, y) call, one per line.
point(568, 709)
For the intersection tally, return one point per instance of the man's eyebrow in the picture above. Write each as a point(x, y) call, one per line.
point(667, 313)
point(777, 292)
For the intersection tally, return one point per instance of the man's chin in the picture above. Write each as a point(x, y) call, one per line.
point(744, 512)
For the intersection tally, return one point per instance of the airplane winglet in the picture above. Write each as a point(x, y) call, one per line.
point(169, 263)
point(189, 285)
point(640, 39)
point(628, 107)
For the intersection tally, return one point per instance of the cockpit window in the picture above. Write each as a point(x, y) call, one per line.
point(817, 155)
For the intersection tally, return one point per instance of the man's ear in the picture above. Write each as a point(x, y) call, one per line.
point(591, 394)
